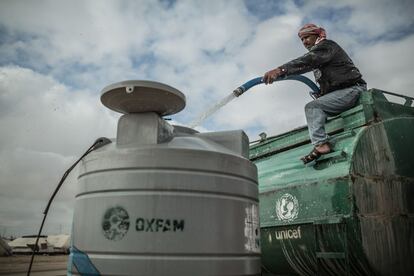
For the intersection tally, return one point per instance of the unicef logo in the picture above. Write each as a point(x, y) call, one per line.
point(287, 207)
point(115, 223)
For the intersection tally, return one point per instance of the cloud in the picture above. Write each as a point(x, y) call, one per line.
point(47, 127)
point(388, 65)
point(367, 20)
point(45, 115)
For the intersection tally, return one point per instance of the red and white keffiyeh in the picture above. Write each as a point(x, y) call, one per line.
point(312, 29)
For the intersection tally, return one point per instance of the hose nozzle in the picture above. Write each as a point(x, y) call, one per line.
point(246, 86)
point(238, 91)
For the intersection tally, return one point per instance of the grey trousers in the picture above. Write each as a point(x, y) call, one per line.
point(330, 104)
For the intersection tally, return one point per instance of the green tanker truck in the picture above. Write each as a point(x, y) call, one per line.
point(351, 212)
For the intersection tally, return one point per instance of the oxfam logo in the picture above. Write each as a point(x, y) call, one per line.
point(115, 223)
point(287, 207)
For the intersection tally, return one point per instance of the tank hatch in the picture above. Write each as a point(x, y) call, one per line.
point(139, 96)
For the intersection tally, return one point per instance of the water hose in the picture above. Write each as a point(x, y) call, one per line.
point(243, 88)
point(100, 142)
point(253, 82)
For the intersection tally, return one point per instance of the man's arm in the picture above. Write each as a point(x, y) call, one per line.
point(316, 57)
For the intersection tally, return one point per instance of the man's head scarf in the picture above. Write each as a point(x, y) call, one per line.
point(312, 29)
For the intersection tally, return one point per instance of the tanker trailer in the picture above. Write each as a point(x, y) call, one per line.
point(351, 212)
point(162, 199)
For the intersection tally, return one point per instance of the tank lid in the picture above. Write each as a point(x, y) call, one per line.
point(139, 96)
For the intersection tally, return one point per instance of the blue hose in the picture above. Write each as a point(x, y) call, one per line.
point(246, 86)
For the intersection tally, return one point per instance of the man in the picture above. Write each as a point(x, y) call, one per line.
point(340, 83)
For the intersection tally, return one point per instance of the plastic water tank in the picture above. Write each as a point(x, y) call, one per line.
point(163, 199)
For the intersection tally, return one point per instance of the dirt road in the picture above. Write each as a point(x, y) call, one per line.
point(42, 265)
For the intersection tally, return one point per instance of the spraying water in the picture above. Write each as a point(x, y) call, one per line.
point(212, 110)
point(246, 86)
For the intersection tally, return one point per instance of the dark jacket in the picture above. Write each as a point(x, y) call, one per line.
point(332, 67)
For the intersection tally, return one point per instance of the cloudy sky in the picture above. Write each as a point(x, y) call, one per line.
point(56, 56)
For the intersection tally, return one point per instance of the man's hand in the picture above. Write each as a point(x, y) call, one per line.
point(272, 75)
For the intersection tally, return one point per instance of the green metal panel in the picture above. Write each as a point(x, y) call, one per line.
point(282, 248)
point(315, 200)
point(351, 212)
point(382, 169)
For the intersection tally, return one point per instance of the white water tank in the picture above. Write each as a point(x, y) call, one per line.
point(163, 199)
